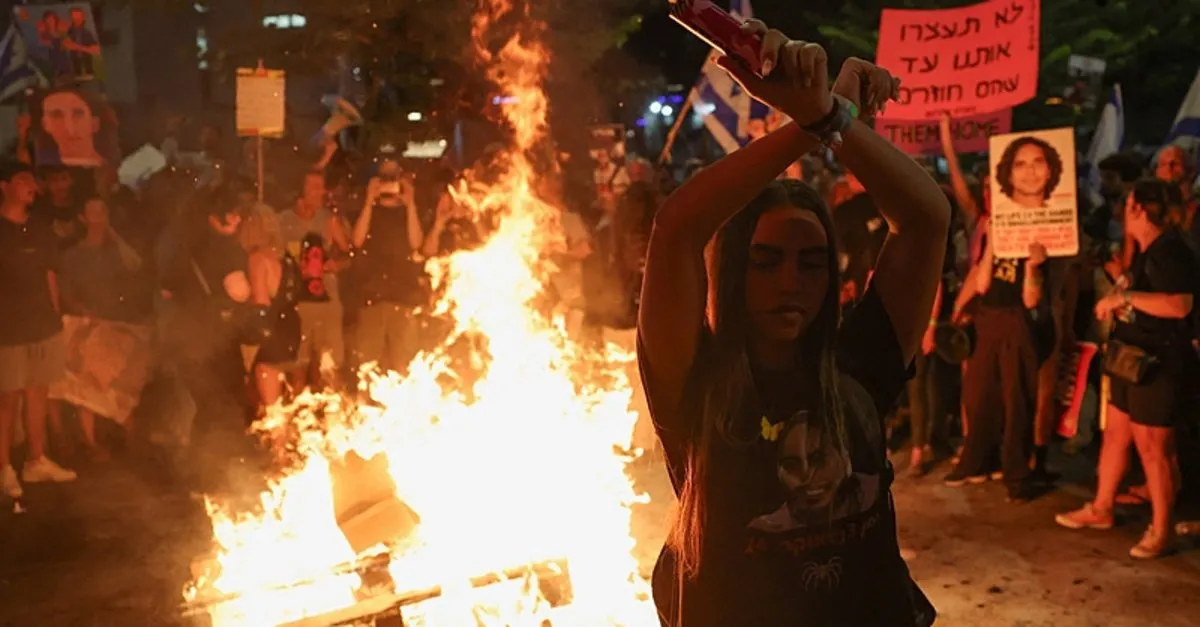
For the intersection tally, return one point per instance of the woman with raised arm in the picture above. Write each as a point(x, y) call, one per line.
point(769, 410)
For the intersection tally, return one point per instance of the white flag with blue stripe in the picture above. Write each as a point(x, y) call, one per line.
point(16, 72)
point(725, 107)
point(1186, 129)
point(1108, 138)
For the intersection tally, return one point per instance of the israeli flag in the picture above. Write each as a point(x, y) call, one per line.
point(16, 73)
point(1107, 140)
point(1186, 130)
point(724, 106)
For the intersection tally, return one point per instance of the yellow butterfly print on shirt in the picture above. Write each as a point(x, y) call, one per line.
point(771, 431)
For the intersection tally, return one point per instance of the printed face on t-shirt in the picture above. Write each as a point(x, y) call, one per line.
point(811, 468)
point(787, 275)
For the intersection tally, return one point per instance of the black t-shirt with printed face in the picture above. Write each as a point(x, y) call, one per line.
point(28, 252)
point(799, 532)
point(1168, 266)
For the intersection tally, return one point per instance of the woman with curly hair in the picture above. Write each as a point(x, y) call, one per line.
point(1029, 171)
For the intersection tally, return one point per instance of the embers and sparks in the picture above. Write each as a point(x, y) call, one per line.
point(511, 470)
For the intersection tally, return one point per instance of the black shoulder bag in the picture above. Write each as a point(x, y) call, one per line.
point(1127, 362)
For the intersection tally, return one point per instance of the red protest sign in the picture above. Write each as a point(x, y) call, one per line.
point(923, 137)
point(967, 61)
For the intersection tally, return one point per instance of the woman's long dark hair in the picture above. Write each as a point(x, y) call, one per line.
point(721, 388)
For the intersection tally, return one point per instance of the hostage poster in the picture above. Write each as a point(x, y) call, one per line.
point(1034, 193)
point(108, 364)
point(62, 41)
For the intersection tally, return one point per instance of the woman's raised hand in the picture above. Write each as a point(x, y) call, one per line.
point(795, 75)
point(867, 85)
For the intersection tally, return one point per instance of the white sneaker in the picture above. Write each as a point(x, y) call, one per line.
point(43, 470)
point(9, 483)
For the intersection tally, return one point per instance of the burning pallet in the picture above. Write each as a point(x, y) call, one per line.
point(383, 607)
point(370, 515)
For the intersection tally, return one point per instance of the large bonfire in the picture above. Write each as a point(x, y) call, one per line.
point(519, 467)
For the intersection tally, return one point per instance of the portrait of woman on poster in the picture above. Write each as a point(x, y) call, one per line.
point(1029, 172)
point(73, 128)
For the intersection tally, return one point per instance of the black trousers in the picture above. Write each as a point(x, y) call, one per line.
point(1000, 395)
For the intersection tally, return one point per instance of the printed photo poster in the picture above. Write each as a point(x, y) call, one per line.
point(73, 126)
point(62, 41)
point(967, 60)
point(1034, 193)
point(607, 151)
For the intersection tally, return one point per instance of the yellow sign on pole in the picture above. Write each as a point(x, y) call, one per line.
point(260, 102)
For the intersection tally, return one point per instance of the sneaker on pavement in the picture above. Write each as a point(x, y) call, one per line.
point(45, 470)
point(957, 479)
point(1152, 545)
point(1085, 517)
point(9, 483)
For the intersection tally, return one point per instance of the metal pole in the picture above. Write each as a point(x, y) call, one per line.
point(665, 156)
point(258, 143)
point(259, 158)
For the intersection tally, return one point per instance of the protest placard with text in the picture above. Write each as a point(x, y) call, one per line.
point(968, 61)
point(923, 137)
point(261, 107)
point(1034, 193)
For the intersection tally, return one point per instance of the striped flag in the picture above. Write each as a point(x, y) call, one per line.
point(16, 72)
point(1108, 138)
point(1186, 129)
point(725, 107)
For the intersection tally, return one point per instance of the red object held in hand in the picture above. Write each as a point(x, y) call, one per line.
point(719, 29)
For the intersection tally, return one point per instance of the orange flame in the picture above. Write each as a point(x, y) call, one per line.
point(519, 469)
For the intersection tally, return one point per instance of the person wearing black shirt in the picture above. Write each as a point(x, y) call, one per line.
point(1152, 314)
point(1000, 383)
point(769, 413)
point(31, 345)
point(209, 282)
point(388, 236)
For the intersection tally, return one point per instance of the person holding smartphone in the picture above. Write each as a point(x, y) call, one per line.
point(388, 237)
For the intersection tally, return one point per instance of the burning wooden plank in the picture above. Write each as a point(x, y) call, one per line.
point(552, 577)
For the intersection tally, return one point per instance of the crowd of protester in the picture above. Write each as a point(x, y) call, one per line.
point(248, 301)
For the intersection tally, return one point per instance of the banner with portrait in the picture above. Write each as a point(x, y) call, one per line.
point(1034, 193)
point(73, 126)
point(108, 364)
point(62, 41)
